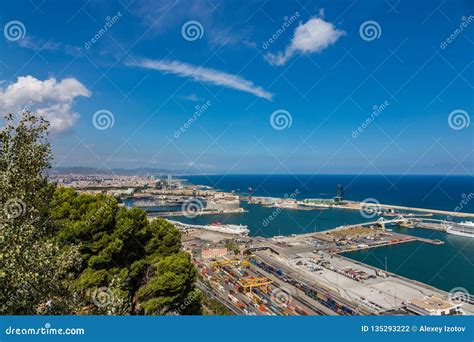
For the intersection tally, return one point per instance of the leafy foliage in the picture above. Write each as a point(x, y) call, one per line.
point(64, 252)
point(118, 245)
point(171, 285)
point(34, 268)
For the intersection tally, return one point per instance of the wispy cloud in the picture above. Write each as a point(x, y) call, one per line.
point(162, 15)
point(190, 97)
point(313, 36)
point(206, 75)
point(40, 45)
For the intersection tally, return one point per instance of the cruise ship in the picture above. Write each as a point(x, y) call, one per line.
point(236, 229)
point(228, 228)
point(465, 228)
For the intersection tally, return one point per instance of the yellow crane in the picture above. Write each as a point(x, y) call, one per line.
point(227, 262)
point(249, 283)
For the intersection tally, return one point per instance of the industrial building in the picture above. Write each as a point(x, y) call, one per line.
point(434, 306)
point(223, 205)
point(213, 253)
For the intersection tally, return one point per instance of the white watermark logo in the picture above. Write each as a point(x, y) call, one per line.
point(192, 208)
point(465, 21)
point(102, 297)
point(459, 295)
point(458, 119)
point(109, 22)
point(281, 297)
point(369, 208)
point(277, 211)
point(14, 30)
point(14, 208)
point(370, 30)
point(47, 329)
point(199, 110)
point(192, 30)
point(103, 119)
point(377, 110)
point(281, 119)
point(288, 21)
point(465, 199)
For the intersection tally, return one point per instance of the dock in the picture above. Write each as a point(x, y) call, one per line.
point(357, 205)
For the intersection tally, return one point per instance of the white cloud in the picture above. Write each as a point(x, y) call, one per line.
point(40, 45)
point(191, 97)
point(161, 15)
point(313, 36)
point(206, 75)
point(50, 98)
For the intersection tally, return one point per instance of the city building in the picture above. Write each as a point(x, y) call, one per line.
point(211, 253)
point(434, 306)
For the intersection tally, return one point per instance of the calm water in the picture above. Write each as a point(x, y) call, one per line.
point(268, 222)
point(437, 192)
point(443, 266)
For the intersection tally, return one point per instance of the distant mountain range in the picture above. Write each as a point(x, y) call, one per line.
point(119, 171)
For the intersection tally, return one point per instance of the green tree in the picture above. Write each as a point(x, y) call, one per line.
point(33, 267)
point(171, 287)
point(64, 252)
point(125, 256)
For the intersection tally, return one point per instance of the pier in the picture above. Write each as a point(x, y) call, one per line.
point(357, 206)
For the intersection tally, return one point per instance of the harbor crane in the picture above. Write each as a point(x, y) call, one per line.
point(227, 262)
point(248, 284)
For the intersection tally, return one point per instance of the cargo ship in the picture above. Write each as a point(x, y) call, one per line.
point(465, 228)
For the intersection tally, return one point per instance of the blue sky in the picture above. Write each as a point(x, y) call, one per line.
point(192, 85)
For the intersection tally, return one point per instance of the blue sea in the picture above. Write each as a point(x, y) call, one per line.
point(435, 192)
point(444, 266)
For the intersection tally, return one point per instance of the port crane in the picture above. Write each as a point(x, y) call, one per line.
point(248, 284)
point(227, 262)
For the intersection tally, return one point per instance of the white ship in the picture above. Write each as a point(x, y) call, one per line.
point(236, 229)
point(465, 228)
point(227, 228)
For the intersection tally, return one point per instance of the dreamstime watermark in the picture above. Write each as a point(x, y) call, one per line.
point(27, 107)
point(14, 208)
point(102, 297)
point(278, 210)
point(109, 22)
point(459, 119)
point(281, 297)
point(465, 21)
point(192, 30)
point(369, 208)
point(199, 110)
point(192, 208)
point(24, 288)
point(186, 303)
point(288, 21)
point(459, 295)
point(281, 119)
point(377, 110)
point(47, 329)
point(92, 220)
point(465, 199)
point(370, 30)
point(14, 30)
point(103, 119)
